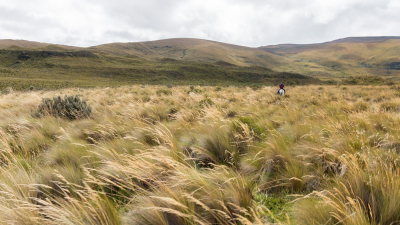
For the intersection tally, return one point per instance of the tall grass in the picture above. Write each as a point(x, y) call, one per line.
point(172, 160)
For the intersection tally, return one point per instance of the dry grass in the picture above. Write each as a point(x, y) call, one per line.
point(146, 158)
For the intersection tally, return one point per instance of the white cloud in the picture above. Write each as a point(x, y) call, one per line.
point(244, 22)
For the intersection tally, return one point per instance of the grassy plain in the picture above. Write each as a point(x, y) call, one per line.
point(207, 155)
point(25, 69)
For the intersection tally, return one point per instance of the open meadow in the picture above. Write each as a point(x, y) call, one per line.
point(203, 155)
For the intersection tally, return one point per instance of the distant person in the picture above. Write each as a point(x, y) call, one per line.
point(281, 87)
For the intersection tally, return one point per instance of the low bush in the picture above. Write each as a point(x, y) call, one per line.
point(206, 102)
point(69, 107)
point(195, 90)
point(165, 92)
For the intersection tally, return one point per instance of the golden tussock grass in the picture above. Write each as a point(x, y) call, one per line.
point(220, 156)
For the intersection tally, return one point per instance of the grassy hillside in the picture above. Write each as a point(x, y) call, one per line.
point(343, 58)
point(194, 50)
point(22, 44)
point(230, 155)
point(22, 69)
point(337, 59)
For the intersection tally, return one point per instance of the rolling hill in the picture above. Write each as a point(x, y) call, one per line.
point(344, 57)
point(198, 50)
point(22, 44)
point(335, 60)
point(52, 69)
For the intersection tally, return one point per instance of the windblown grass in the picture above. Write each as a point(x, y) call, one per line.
point(316, 156)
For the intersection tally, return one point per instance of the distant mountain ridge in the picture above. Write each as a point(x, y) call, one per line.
point(344, 57)
point(354, 40)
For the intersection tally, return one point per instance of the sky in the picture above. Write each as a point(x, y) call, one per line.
point(251, 23)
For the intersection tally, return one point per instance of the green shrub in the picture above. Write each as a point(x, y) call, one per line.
point(218, 89)
point(69, 107)
point(206, 102)
point(195, 90)
point(165, 92)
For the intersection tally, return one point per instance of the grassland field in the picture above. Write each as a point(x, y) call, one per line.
point(117, 64)
point(34, 69)
point(150, 154)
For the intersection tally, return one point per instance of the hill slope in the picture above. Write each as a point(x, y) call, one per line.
point(187, 49)
point(344, 57)
point(22, 44)
point(22, 69)
point(330, 60)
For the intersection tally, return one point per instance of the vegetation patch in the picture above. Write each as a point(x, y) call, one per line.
point(251, 124)
point(64, 69)
point(257, 159)
point(364, 80)
point(69, 107)
point(164, 92)
point(206, 102)
point(278, 206)
point(390, 106)
point(255, 87)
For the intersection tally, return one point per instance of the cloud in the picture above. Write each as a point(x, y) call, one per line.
point(243, 22)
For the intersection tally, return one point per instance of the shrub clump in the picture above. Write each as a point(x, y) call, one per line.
point(218, 89)
point(206, 102)
point(195, 90)
point(165, 92)
point(69, 107)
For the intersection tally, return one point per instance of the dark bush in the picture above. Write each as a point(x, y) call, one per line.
point(69, 107)
point(165, 92)
point(206, 102)
point(231, 114)
point(195, 90)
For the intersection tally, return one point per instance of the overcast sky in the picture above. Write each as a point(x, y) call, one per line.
point(250, 23)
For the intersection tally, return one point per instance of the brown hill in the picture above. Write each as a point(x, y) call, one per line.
point(193, 50)
point(342, 58)
point(7, 43)
point(330, 60)
point(15, 44)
